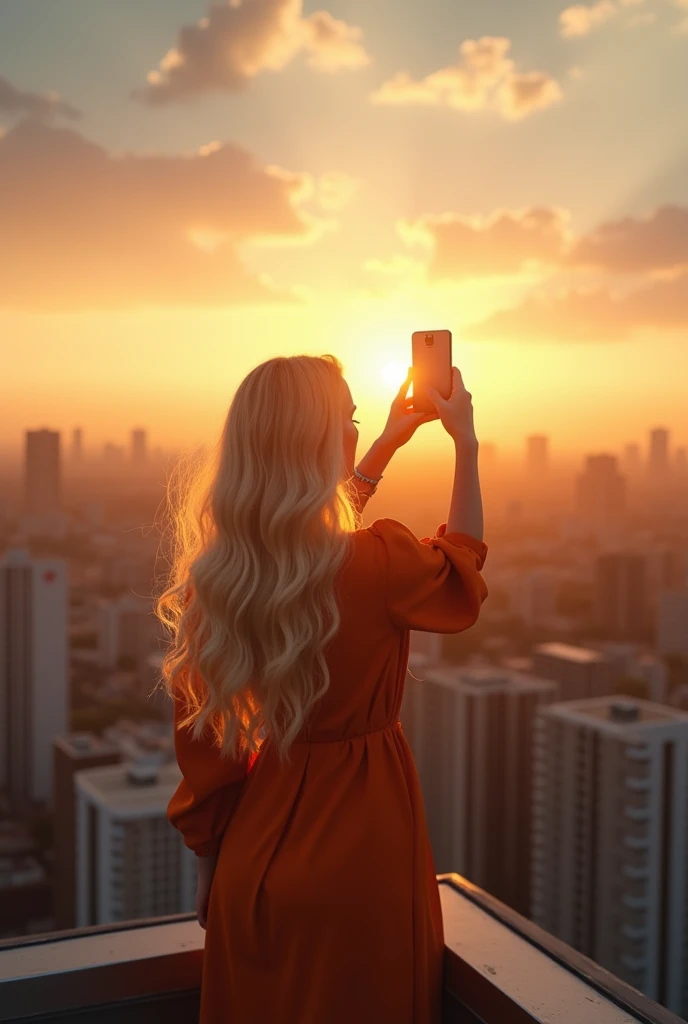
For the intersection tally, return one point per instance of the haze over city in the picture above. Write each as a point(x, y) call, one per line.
point(188, 189)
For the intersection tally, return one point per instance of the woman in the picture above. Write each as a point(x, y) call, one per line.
point(290, 624)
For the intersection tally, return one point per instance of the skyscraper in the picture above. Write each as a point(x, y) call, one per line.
point(610, 838)
point(130, 862)
point(472, 747)
point(139, 447)
point(578, 671)
point(33, 671)
point(77, 444)
point(601, 493)
point(537, 454)
point(42, 472)
point(621, 595)
point(658, 456)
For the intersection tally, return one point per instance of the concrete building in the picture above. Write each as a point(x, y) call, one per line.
point(127, 628)
point(579, 671)
point(621, 595)
point(672, 622)
point(139, 447)
point(470, 734)
point(42, 473)
point(33, 671)
point(658, 454)
point(601, 495)
point(610, 838)
point(72, 753)
point(130, 862)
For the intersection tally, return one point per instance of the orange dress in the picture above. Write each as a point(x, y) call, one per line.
point(324, 907)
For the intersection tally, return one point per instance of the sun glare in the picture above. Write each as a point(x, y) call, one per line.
point(393, 373)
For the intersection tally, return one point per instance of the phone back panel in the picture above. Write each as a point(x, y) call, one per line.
point(432, 366)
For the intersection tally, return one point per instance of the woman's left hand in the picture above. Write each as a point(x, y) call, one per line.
point(402, 421)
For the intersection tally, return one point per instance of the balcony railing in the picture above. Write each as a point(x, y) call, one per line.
point(500, 968)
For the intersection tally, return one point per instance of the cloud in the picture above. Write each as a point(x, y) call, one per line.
point(14, 101)
point(513, 241)
point(483, 79)
point(581, 19)
point(83, 228)
point(506, 242)
point(656, 243)
point(236, 41)
point(598, 315)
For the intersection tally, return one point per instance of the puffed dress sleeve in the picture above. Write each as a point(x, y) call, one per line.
point(203, 803)
point(434, 584)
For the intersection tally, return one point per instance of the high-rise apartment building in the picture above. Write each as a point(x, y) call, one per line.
point(601, 493)
point(33, 671)
point(130, 862)
point(72, 752)
point(578, 671)
point(42, 472)
point(621, 595)
point(139, 446)
point(471, 740)
point(610, 839)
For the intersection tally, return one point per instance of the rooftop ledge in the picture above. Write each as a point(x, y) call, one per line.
point(500, 968)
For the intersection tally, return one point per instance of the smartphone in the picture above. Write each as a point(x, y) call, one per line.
point(431, 353)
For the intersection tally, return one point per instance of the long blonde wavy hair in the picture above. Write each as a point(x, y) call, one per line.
point(258, 528)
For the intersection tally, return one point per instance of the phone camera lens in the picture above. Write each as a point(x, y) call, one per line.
point(429, 339)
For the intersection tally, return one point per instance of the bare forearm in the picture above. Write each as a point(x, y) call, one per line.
point(373, 464)
point(466, 509)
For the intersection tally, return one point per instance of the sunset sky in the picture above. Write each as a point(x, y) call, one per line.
point(188, 189)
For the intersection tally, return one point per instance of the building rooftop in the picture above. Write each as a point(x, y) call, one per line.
point(479, 678)
point(84, 744)
point(130, 788)
point(620, 715)
point(568, 652)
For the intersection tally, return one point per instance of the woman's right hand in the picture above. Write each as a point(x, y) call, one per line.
point(456, 412)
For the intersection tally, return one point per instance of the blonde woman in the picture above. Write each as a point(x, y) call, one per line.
point(290, 638)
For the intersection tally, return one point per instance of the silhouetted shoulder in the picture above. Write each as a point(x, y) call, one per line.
point(432, 584)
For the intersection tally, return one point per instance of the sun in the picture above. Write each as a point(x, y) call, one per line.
point(393, 373)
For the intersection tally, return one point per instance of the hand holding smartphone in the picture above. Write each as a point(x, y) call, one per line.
point(432, 367)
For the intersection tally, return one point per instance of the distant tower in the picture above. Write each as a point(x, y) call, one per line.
point(42, 488)
point(601, 492)
point(138, 447)
point(631, 459)
point(658, 458)
point(537, 454)
point(33, 671)
point(77, 444)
